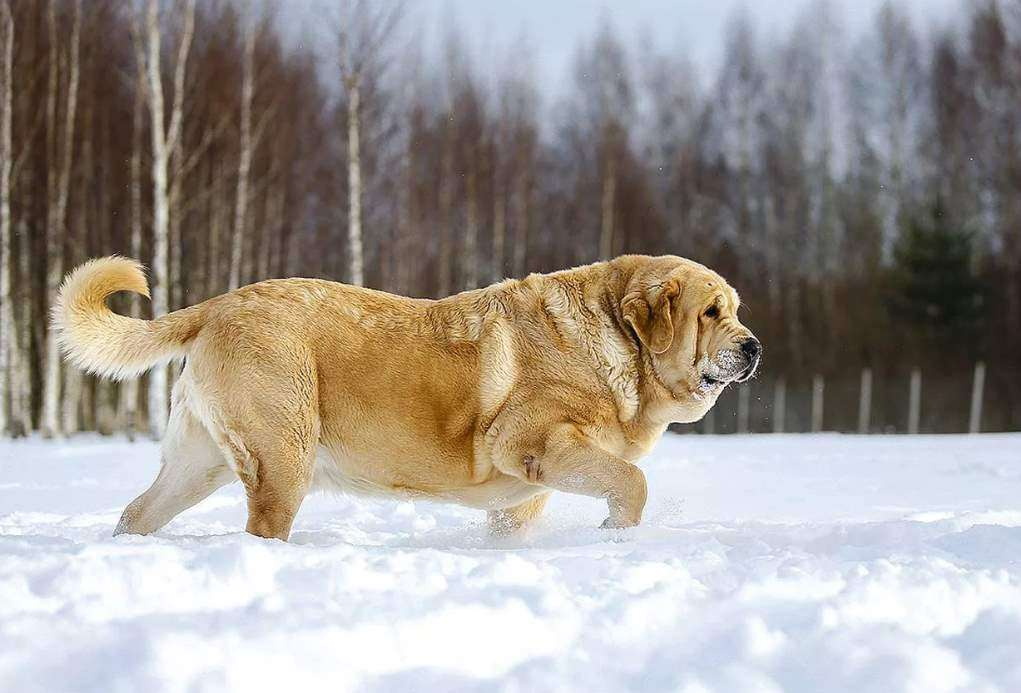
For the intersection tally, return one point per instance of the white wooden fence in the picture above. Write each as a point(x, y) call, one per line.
point(913, 401)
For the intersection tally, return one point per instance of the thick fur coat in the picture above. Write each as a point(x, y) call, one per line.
point(491, 398)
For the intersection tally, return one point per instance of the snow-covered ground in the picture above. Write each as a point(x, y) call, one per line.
point(800, 563)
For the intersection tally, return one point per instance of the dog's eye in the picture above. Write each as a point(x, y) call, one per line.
point(712, 312)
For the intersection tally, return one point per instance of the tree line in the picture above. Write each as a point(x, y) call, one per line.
point(862, 191)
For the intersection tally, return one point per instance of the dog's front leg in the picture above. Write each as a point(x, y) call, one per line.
point(566, 460)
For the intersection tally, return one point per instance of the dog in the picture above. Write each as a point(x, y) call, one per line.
point(491, 398)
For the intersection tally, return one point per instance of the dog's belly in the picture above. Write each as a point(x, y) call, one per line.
point(335, 474)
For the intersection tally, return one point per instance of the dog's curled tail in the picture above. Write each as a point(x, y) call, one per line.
point(100, 341)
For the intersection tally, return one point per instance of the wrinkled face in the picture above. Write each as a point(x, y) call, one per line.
point(686, 316)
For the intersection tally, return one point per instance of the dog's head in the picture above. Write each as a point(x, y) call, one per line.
point(684, 316)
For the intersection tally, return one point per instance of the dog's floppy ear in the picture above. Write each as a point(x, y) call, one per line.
point(648, 311)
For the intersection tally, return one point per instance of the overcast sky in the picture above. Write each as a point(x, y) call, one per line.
point(554, 28)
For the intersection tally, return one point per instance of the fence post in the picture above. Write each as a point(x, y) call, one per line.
point(818, 392)
point(865, 401)
point(742, 408)
point(977, 387)
point(915, 401)
point(779, 405)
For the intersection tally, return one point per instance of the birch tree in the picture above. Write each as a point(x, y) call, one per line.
point(164, 140)
point(250, 135)
point(129, 389)
point(598, 115)
point(244, 155)
point(445, 221)
point(471, 139)
point(365, 28)
point(497, 265)
point(522, 110)
point(219, 219)
point(56, 227)
point(615, 110)
point(76, 242)
point(9, 346)
point(740, 107)
point(21, 366)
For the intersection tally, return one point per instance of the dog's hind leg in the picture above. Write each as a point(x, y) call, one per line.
point(512, 519)
point(283, 477)
point(271, 441)
point(193, 466)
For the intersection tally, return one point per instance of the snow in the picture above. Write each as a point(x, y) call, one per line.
point(765, 563)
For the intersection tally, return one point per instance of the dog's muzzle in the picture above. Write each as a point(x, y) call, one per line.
point(751, 348)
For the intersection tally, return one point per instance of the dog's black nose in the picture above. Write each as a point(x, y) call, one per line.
point(751, 347)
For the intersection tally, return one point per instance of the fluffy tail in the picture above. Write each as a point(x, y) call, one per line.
point(98, 340)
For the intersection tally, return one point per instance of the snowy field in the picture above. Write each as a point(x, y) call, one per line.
point(765, 563)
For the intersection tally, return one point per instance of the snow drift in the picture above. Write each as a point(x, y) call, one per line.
point(765, 563)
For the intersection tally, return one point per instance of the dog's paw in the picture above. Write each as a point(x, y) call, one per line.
point(502, 524)
point(617, 523)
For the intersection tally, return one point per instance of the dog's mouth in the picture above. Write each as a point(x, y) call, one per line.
point(748, 372)
point(715, 374)
point(709, 382)
point(728, 367)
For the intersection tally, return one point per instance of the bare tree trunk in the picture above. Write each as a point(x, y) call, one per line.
point(54, 240)
point(219, 219)
point(164, 140)
point(446, 220)
point(469, 259)
point(175, 287)
point(57, 228)
point(21, 314)
point(10, 361)
point(104, 393)
point(607, 206)
point(160, 269)
point(356, 271)
point(405, 221)
point(773, 261)
point(792, 302)
point(213, 251)
point(364, 33)
point(129, 389)
point(497, 269)
point(521, 216)
point(793, 311)
point(288, 238)
point(244, 158)
point(22, 369)
point(74, 379)
point(272, 225)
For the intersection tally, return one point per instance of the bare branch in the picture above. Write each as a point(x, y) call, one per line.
point(209, 136)
point(180, 71)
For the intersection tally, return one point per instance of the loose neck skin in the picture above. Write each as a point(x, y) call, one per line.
point(658, 404)
point(646, 413)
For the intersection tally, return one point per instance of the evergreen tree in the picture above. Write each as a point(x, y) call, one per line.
point(933, 289)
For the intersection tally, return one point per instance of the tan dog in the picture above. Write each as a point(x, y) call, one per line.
point(491, 398)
